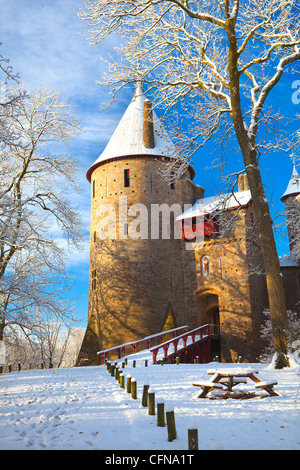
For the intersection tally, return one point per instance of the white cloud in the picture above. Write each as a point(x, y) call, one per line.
point(42, 39)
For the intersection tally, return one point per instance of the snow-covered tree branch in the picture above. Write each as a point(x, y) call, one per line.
point(35, 208)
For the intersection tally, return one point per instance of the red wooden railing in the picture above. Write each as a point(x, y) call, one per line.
point(198, 336)
point(134, 344)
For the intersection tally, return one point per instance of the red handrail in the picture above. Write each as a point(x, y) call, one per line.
point(148, 339)
point(203, 330)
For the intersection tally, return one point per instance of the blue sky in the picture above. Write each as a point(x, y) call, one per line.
point(42, 40)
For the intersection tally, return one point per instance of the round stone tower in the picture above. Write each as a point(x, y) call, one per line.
point(137, 284)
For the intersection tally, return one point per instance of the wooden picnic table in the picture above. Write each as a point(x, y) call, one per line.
point(230, 378)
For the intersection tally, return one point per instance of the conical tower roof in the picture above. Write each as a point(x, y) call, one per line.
point(127, 139)
point(293, 187)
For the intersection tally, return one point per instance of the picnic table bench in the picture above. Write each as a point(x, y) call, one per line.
point(230, 378)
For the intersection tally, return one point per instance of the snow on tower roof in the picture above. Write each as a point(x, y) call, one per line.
point(293, 187)
point(127, 139)
point(208, 205)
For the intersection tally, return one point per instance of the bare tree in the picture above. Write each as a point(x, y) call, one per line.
point(73, 347)
point(294, 331)
point(9, 102)
point(47, 340)
point(35, 210)
point(216, 61)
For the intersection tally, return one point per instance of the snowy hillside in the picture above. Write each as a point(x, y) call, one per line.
point(85, 408)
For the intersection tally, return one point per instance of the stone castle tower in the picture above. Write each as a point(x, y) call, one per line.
point(143, 278)
point(136, 277)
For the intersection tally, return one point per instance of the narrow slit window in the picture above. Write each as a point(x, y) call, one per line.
point(94, 279)
point(94, 187)
point(172, 181)
point(127, 178)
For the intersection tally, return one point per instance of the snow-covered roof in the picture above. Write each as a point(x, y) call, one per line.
point(211, 204)
point(293, 187)
point(127, 138)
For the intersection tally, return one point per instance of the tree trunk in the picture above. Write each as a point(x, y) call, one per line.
point(274, 279)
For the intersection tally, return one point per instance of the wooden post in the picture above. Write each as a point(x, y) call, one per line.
point(171, 425)
point(9, 367)
point(133, 363)
point(193, 438)
point(146, 362)
point(133, 389)
point(177, 361)
point(160, 413)
point(128, 385)
point(19, 366)
point(122, 381)
point(151, 401)
point(145, 395)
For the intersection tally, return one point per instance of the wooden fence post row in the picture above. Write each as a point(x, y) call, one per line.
point(148, 400)
point(19, 366)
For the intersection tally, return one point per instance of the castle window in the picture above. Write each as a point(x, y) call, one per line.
point(211, 227)
point(94, 188)
point(127, 178)
point(205, 265)
point(94, 279)
point(95, 236)
point(125, 229)
point(191, 228)
point(172, 184)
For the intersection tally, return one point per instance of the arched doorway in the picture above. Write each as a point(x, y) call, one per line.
point(208, 312)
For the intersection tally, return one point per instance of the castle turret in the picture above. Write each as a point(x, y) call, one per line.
point(137, 284)
point(291, 198)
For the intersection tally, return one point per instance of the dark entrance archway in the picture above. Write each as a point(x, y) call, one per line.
point(208, 312)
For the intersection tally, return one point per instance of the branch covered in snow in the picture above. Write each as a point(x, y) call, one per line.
point(35, 209)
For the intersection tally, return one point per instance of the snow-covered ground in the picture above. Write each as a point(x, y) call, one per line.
point(85, 408)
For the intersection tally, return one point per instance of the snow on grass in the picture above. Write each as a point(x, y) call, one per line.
point(85, 408)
